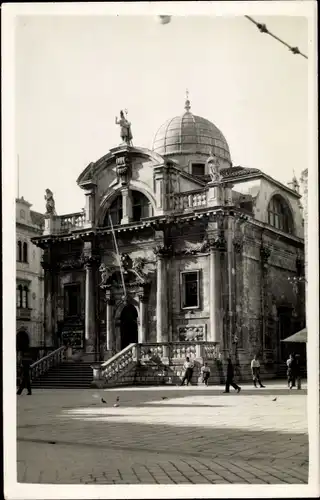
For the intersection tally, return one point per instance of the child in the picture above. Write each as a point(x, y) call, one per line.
point(205, 372)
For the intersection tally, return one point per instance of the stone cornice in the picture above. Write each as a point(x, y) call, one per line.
point(261, 175)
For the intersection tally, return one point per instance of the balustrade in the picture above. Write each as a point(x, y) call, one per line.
point(44, 364)
point(185, 201)
point(72, 221)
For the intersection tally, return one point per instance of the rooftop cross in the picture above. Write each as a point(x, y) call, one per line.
point(187, 103)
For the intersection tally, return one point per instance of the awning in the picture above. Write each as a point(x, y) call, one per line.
point(301, 337)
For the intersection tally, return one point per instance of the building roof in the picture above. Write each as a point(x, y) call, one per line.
point(37, 218)
point(190, 134)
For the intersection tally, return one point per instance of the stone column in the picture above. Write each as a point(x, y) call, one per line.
point(162, 307)
point(143, 316)
point(126, 206)
point(89, 308)
point(215, 295)
point(109, 325)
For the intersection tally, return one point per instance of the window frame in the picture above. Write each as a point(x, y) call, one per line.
point(145, 205)
point(183, 289)
point(279, 214)
point(19, 245)
point(115, 207)
point(25, 252)
point(198, 164)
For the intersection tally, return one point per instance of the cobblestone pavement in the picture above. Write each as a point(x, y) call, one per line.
point(163, 436)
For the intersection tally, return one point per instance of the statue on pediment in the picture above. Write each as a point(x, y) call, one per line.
point(125, 129)
point(50, 204)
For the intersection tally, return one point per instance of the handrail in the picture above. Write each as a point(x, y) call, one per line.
point(44, 364)
point(118, 355)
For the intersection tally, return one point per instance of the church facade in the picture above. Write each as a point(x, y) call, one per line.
point(176, 247)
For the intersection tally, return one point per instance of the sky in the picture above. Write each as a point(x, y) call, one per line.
point(73, 74)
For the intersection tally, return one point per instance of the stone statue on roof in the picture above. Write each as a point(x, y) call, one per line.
point(50, 204)
point(125, 129)
point(214, 168)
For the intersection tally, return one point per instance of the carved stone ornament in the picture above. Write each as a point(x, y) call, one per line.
point(123, 169)
point(126, 262)
point(189, 333)
point(163, 251)
point(105, 273)
point(218, 243)
point(72, 263)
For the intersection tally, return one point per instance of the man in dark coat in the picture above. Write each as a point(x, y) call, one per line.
point(230, 378)
point(25, 382)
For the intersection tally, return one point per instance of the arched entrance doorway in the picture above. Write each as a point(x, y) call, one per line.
point(128, 325)
point(22, 341)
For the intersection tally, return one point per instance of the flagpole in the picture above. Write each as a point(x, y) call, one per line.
point(18, 174)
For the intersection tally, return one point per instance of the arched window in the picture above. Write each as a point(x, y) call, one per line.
point(25, 252)
point(19, 251)
point(140, 206)
point(115, 212)
point(19, 296)
point(279, 214)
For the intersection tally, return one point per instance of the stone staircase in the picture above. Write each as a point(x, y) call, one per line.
point(67, 375)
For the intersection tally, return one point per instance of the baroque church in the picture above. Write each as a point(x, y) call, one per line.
point(177, 252)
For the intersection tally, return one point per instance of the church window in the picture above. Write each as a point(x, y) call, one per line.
point(19, 251)
point(198, 169)
point(190, 290)
point(279, 215)
point(72, 299)
point(140, 206)
point(115, 212)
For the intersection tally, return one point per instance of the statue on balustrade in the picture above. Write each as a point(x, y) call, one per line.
point(125, 129)
point(50, 204)
point(213, 167)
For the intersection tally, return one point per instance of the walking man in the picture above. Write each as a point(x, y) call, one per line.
point(298, 371)
point(188, 366)
point(25, 382)
point(255, 370)
point(230, 378)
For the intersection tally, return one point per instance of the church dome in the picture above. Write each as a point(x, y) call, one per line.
point(190, 134)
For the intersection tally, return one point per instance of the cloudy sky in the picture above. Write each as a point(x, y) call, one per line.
point(74, 74)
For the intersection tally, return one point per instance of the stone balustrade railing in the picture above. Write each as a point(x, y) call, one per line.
point(72, 221)
point(119, 362)
point(191, 200)
point(178, 350)
point(44, 364)
point(57, 224)
point(155, 353)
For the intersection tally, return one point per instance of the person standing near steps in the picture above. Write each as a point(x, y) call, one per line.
point(188, 366)
point(255, 370)
point(230, 378)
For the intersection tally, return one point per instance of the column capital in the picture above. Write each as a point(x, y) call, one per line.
point(162, 251)
point(217, 243)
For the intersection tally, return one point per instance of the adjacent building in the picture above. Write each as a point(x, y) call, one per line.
point(29, 280)
point(177, 249)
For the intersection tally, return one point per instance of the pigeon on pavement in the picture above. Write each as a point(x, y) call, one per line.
point(164, 397)
point(275, 399)
point(103, 401)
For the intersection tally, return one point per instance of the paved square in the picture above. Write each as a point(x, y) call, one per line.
point(163, 435)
